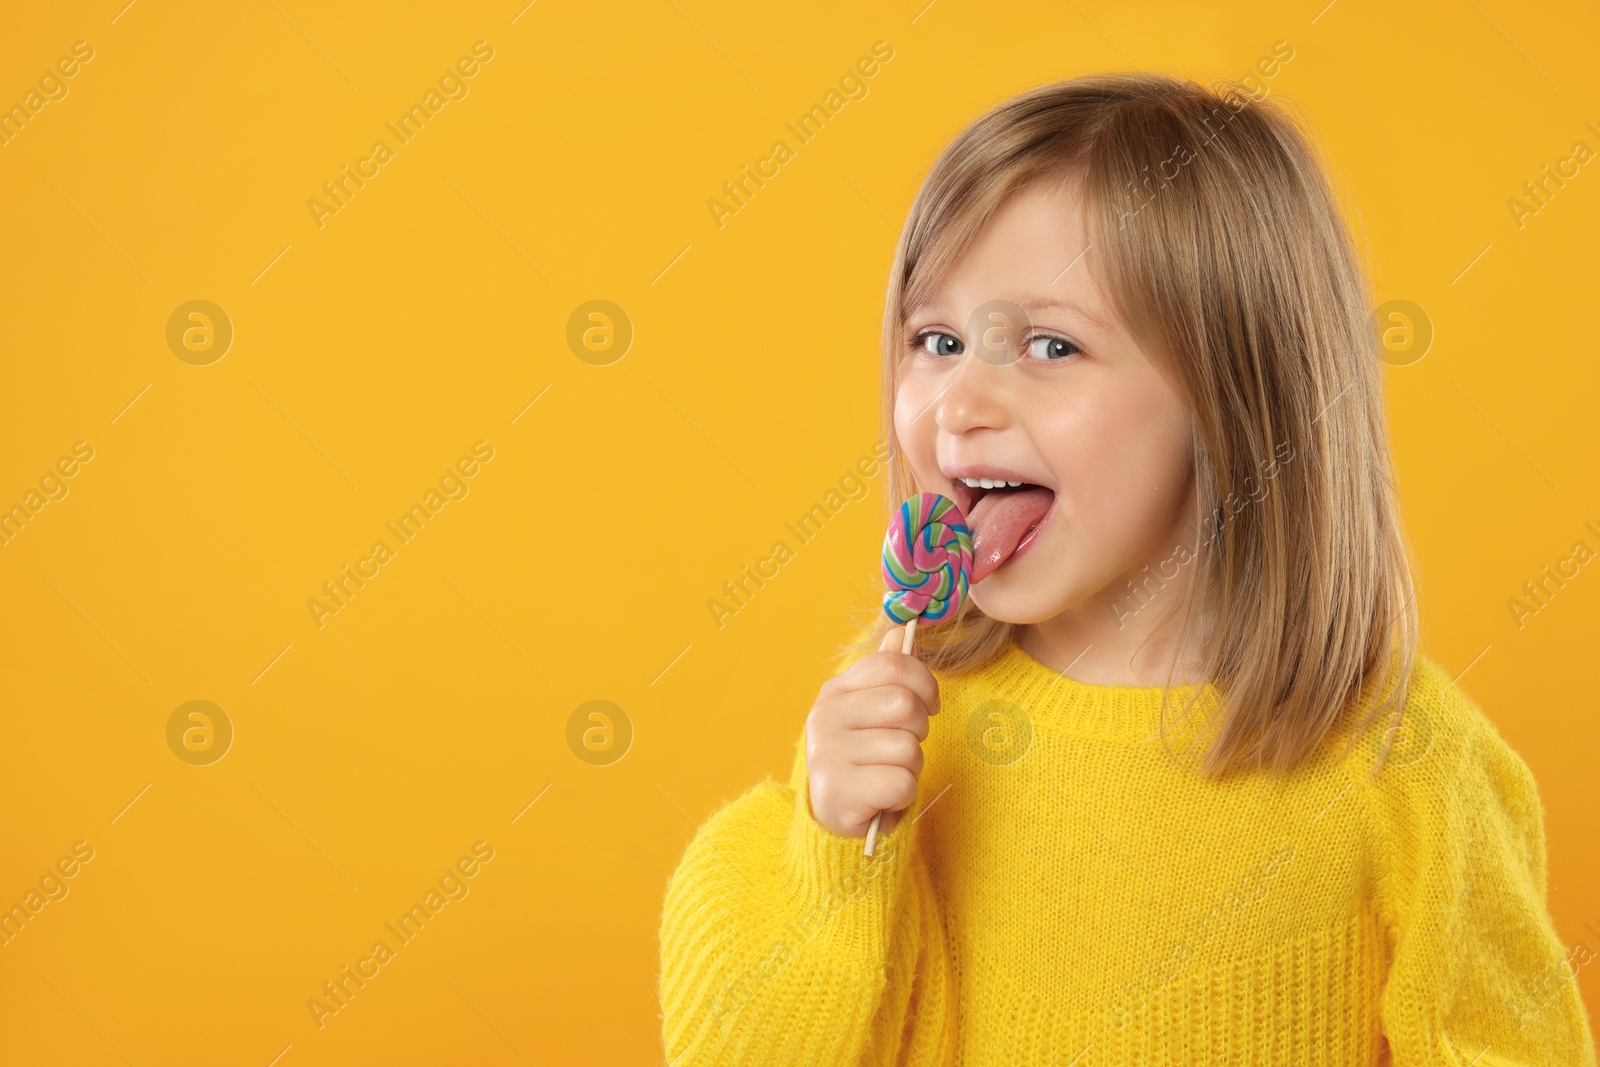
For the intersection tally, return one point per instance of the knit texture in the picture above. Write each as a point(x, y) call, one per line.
point(1066, 890)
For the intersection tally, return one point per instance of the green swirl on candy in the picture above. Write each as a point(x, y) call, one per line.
point(927, 558)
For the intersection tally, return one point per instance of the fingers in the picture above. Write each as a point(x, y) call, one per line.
point(897, 748)
point(884, 788)
point(845, 798)
point(888, 666)
point(864, 738)
point(897, 668)
point(883, 707)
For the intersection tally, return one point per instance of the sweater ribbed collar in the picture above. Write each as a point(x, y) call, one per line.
point(1109, 711)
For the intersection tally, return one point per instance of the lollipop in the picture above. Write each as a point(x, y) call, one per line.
point(927, 560)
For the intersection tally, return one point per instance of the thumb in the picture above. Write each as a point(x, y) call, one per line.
point(892, 640)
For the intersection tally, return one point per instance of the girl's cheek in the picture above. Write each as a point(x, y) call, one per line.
point(1108, 497)
point(902, 422)
point(912, 437)
point(913, 419)
point(1118, 436)
point(1159, 450)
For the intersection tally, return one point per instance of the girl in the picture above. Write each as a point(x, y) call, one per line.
point(1185, 792)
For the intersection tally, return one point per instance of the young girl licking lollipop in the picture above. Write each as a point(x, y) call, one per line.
point(1185, 792)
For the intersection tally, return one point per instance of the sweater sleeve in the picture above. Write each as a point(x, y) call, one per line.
point(1477, 973)
point(782, 943)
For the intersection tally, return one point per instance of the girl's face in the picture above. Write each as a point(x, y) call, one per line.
point(1068, 402)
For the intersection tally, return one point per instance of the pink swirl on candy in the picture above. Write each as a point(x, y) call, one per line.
point(927, 561)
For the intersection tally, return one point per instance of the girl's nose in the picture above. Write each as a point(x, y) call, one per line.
point(975, 395)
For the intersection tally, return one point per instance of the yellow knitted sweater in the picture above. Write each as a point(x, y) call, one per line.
point(1067, 891)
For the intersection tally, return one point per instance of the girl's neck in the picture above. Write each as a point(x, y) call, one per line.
point(1067, 647)
point(1101, 645)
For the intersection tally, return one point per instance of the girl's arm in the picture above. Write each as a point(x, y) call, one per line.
point(1477, 972)
point(782, 943)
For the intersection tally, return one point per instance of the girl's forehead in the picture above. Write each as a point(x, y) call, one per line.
point(1033, 249)
point(1047, 274)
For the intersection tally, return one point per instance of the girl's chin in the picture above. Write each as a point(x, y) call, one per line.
point(1014, 602)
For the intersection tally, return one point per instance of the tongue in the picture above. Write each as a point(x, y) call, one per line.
point(999, 522)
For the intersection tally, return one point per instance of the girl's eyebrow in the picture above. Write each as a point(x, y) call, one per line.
point(1037, 302)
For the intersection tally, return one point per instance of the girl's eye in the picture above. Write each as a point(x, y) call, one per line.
point(1046, 348)
point(1053, 349)
point(936, 343)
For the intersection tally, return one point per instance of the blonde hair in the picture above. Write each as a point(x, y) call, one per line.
point(1218, 241)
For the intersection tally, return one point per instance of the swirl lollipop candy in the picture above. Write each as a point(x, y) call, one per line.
point(927, 563)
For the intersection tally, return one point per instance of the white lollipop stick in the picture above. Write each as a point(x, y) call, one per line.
point(872, 827)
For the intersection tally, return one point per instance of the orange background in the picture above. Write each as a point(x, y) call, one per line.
point(369, 354)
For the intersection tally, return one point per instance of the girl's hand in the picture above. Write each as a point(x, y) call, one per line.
point(864, 739)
